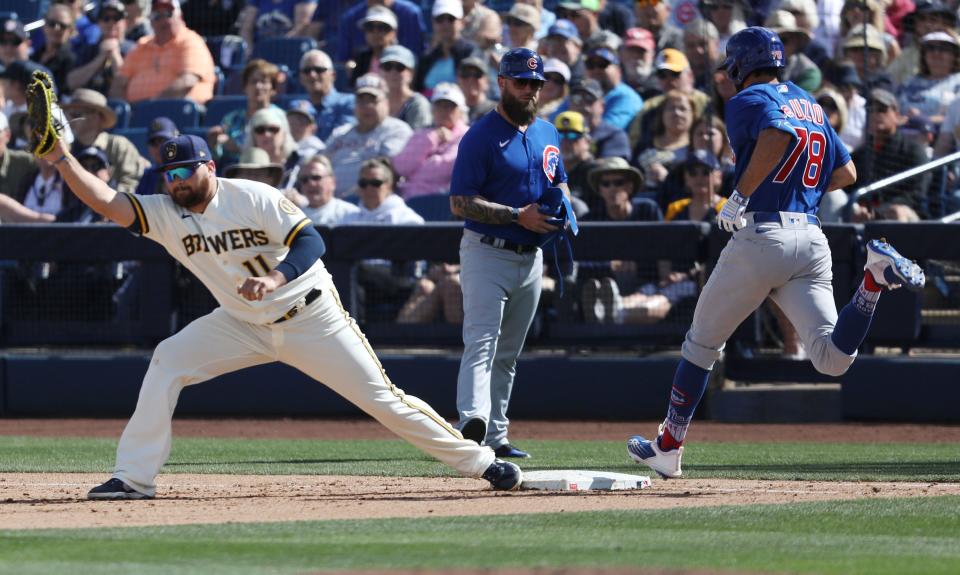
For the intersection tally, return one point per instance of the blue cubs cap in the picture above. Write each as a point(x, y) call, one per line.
point(566, 29)
point(162, 127)
point(183, 150)
point(522, 63)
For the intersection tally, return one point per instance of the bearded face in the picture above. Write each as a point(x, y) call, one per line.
point(520, 97)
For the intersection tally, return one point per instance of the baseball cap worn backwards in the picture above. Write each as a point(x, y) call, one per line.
point(184, 150)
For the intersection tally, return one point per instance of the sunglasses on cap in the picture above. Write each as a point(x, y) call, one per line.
point(569, 135)
point(261, 130)
point(313, 70)
point(369, 183)
point(181, 172)
point(393, 67)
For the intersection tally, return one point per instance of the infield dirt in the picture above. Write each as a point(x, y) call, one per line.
point(39, 500)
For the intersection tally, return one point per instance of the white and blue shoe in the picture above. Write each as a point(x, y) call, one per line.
point(648, 452)
point(890, 269)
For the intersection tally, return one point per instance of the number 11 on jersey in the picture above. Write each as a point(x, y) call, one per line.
point(812, 142)
point(253, 271)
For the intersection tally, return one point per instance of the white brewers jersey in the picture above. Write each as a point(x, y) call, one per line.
point(245, 231)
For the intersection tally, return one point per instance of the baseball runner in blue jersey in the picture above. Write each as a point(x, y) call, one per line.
point(507, 162)
point(788, 157)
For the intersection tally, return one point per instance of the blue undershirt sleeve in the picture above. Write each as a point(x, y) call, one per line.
point(305, 250)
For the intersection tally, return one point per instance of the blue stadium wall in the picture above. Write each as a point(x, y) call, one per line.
point(106, 385)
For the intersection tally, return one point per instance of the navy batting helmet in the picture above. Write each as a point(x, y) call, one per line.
point(522, 63)
point(752, 49)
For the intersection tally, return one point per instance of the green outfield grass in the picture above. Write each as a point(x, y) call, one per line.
point(802, 461)
point(869, 537)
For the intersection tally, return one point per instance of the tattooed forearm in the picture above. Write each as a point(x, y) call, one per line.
point(480, 210)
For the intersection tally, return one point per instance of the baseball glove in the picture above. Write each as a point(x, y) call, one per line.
point(44, 127)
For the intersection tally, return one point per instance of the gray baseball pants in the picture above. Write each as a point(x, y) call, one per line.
point(501, 290)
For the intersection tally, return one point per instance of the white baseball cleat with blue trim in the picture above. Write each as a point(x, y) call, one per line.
point(648, 452)
point(890, 269)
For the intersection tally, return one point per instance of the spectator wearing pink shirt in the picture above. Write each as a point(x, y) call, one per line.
point(426, 162)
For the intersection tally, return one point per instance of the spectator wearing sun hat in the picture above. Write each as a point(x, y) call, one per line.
point(427, 160)
point(523, 22)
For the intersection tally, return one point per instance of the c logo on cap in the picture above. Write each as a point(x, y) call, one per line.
point(170, 151)
point(532, 63)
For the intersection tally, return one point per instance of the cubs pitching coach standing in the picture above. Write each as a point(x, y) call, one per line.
point(507, 161)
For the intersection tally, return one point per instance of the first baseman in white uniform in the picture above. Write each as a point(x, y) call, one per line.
point(260, 258)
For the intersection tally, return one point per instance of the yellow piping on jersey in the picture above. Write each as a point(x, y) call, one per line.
point(296, 230)
point(397, 392)
point(139, 213)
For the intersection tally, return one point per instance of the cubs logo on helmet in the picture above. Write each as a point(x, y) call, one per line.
point(522, 63)
point(551, 161)
point(751, 49)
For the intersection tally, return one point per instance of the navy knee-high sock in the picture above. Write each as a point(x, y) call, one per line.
point(689, 383)
point(854, 319)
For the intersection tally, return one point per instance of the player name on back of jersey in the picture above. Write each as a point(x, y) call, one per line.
point(225, 241)
point(803, 110)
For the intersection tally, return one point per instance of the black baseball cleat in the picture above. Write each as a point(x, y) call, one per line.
point(507, 450)
point(503, 475)
point(116, 489)
point(474, 429)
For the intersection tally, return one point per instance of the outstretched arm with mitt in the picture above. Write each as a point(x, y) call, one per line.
point(47, 123)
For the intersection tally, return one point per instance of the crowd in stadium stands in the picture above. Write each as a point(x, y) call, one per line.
point(355, 107)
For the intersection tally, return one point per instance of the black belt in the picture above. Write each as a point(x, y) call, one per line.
point(765, 217)
point(309, 299)
point(507, 245)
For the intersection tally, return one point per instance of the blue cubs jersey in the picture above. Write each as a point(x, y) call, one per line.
point(504, 165)
point(798, 183)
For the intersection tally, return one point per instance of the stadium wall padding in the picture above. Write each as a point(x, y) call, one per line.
point(556, 387)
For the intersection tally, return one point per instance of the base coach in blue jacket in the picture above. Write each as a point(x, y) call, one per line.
point(506, 161)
